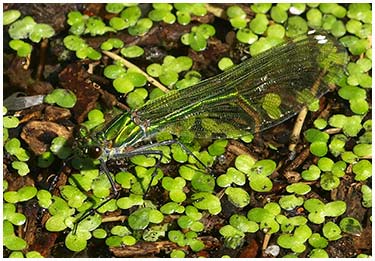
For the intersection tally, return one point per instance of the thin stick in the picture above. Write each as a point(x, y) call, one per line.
point(42, 58)
point(333, 131)
point(266, 239)
point(219, 12)
point(297, 129)
point(216, 11)
point(114, 219)
point(130, 65)
point(27, 62)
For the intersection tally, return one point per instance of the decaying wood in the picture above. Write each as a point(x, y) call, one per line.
point(39, 134)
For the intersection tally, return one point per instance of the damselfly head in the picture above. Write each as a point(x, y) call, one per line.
point(94, 151)
point(86, 144)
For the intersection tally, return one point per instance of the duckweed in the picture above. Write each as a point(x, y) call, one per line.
point(366, 196)
point(278, 14)
point(23, 49)
point(197, 38)
point(238, 197)
point(331, 231)
point(259, 24)
point(10, 16)
point(62, 97)
point(132, 51)
point(13, 147)
point(362, 170)
point(191, 191)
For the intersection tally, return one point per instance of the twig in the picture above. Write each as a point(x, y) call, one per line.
point(266, 240)
point(27, 62)
point(298, 160)
point(92, 66)
point(294, 137)
point(42, 58)
point(114, 219)
point(130, 65)
point(333, 131)
point(216, 11)
point(219, 12)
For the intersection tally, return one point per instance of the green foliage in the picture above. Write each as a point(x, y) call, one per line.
point(168, 72)
point(111, 43)
point(197, 38)
point(62, 97)
point(23, 194)
point(10, 16)
point(132, 51)
point(23, 49)
point(318, 210)
point(331, 231)
point(238, 197)
point(234, 233)
point(351, 226)
point(185, 10)
point(23, 29)
point(225, 63)
point(366, 196)
point(13, 147)
point(296, 241)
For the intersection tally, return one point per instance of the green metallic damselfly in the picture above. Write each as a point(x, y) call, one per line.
point(257, 94)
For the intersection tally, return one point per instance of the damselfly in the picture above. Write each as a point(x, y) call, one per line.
point(255, 95)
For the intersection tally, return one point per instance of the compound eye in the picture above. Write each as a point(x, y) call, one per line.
point(94, 152)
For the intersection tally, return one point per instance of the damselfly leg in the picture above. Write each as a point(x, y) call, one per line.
point(144, 150)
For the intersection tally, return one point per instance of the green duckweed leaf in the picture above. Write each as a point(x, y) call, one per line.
point(75, 242)
point(26, 193)
point(99, 233)
point(132, 51)
point(41, 31)
point(362, 170)
point(259, 24)
point(206, 201)
point(10, 16)
point(23, 49)
point(56, 223)
point(351, 226)
point(317, 241)
point(60, 147)
point(366, 196)
point(331, 231)
point(203, 182)
point(298, 188)
point(10, 122)
point(62, 97)
point(139, 219)
point(238, 197)
point(21, 167)
point(260, 183)
point(289, 202)
point(45, 159)
point(114, 7)
point(22, 28)
point(13, 242)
